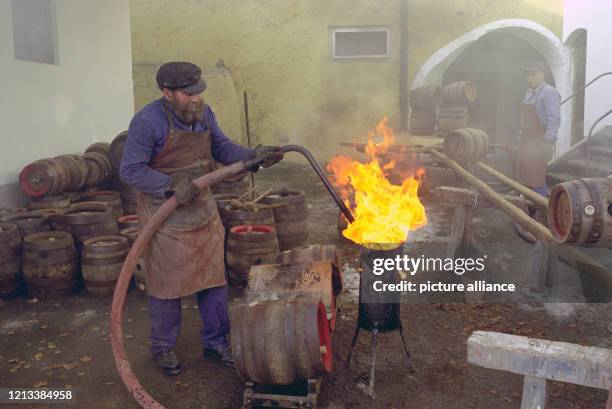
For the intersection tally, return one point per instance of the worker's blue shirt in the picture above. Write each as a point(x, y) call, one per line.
point(547, 102)
point(147, 135)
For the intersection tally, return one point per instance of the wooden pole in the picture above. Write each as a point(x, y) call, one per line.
point(535, 228)
point(248, 133)
point(536, 198)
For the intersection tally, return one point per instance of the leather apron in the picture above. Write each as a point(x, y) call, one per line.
point(186, 254)
point(533, 154)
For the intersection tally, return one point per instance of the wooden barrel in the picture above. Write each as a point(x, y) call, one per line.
point(44, 177)
point(111, 198)
point(50, 264)
point(249, 245)
point(115, 151)
point(49, 202)
point(77, 171)
point(452, 117)
point(291, 218)
point(127, 221)
point(86, 220)
point(128, 197)
point(28, 222)
point(138, 274)
point(235, 217)
point(466, 145)
point(422, 122)
point(10, 210)
point(461, 92)
point(99, 147)
point(237, 188)
point(99, 169)
point(223, 200)
point(425, 98)
point(281, 342)
point(580, 212)
point(11, 277)
point(101, 263)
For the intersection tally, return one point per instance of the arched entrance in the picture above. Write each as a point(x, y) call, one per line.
point(494, 56)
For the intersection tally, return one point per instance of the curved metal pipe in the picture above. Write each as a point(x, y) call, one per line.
point(584, 87)
point(319, 171)
point(588, 145)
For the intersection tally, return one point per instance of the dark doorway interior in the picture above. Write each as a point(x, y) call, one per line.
point(495, 64)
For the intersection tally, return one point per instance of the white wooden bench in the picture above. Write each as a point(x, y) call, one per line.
point(541, 361)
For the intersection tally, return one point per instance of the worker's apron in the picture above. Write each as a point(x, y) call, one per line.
point(533, 154)
point(186, 254)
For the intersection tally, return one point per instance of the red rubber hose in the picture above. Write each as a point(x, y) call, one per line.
point(140, 244)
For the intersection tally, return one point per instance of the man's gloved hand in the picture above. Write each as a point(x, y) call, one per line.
point(182, 188)
point(271, 155)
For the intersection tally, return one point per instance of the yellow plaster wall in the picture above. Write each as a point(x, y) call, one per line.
point(279, 52)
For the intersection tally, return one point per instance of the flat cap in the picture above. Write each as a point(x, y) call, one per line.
point(181, 75)
point(536, 66)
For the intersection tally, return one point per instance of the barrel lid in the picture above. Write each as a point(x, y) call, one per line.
point(105, 244)
point(48, 240)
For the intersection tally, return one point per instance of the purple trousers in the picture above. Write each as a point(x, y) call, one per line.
point(165, 318)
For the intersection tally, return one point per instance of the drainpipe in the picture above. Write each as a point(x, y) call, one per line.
point(403, 75)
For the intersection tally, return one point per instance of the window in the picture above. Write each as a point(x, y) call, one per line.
point(360, 42)
point(34, 31)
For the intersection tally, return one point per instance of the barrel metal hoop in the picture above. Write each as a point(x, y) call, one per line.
point(597, 225)
point(574, 198)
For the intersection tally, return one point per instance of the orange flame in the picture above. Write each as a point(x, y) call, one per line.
point(384, 213)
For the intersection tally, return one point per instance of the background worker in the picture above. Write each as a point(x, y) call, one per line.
point(540, 121)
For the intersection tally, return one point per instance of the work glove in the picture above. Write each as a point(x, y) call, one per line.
point(270, 154)
point(182, 188)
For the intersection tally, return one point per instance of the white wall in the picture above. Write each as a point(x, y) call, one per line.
point(47, 110)
point(596, 17)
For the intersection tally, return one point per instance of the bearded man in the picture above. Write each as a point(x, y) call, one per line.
point(171, 142)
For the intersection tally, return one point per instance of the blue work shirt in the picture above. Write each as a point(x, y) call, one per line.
point(547, 102)
point(147, 135)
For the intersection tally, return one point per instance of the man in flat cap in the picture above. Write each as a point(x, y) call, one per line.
point(540, 120)
point(171, 142)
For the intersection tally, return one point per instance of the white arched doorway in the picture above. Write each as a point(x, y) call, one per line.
point(546, 43)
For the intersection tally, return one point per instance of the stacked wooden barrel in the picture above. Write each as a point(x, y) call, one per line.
point(49, 202)
point(127, 221)
point(423, 105)
point(455, 98)
point(99, 169)
point(580, 212)
point(111, 198)
point(249, 245)
point(281, 342)
point(86, 220)
point(11, 278)
point(50, 264)
point(28, 222)
point(238, 217)
point(466, 145)
point(101, 263)
point(290, 216)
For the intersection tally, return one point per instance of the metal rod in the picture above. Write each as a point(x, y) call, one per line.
point(248, 133)
point(319, 171)
point(584, 87)
point(588, 146)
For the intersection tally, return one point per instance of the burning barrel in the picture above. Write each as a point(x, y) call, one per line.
point(580, 212)
point(281, 342)
point(378, 310)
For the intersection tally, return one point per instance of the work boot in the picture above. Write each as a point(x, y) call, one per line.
point(168, 362)
point(224, 354)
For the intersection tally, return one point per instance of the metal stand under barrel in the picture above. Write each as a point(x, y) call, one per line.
point(304, 395)
point(378, 312)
